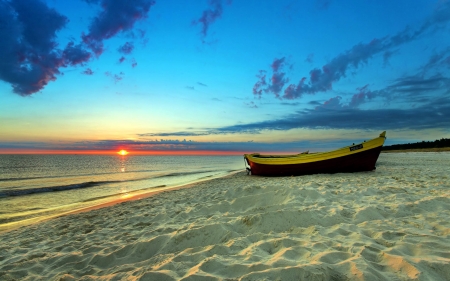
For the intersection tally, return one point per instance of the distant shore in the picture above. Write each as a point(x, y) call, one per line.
point(438, 149)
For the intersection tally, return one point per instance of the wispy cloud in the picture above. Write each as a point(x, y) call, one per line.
point(277, 81)
point(209, 16)
point(322, 79)
point(88, 71)
point(116, 16)
point(333, 115)
point(115, 77)
point(429, 97)
point(162, 145)
point(126, 48)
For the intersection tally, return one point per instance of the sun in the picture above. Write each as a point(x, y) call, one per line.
point(123, 152)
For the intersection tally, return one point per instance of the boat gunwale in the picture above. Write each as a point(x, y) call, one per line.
point(315, 157)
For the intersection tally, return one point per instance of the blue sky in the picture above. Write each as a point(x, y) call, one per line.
point(221, 75)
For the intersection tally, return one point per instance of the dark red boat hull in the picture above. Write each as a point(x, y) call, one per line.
point(358, 162)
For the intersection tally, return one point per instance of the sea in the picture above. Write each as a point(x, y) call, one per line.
point(38, 187)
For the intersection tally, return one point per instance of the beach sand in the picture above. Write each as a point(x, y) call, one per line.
point(389, 224)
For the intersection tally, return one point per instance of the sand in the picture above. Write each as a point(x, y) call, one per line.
point(389, 224)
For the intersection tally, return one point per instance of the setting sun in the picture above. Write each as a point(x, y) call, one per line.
point(122, 152)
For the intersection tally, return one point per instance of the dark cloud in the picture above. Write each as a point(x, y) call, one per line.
point(422, 103)
point(258, 87)
point(363, 95)
point(415, 89)
point(387, 56)
point(277, 81)
point(122, 59)
point(201, 84)
point(418, 84)
point(88, 71)
point(116, 16)
point(333, 116)
point(322, 79)
point(28, 55)
point(75, 54)
point(127, 48)
point(209, 16)
point(438, 60)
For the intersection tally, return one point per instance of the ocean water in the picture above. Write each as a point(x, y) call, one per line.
point(35, 187)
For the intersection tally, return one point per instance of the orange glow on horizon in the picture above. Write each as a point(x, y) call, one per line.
point(109, 152)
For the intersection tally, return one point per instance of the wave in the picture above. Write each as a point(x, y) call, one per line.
point(28, 191)
point(70, 175)
point(19, 179)
point(15, 192)
point(98, 174)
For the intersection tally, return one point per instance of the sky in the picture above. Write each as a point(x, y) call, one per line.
point(221, 76)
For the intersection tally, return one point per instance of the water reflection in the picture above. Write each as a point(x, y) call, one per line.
point(123, 163)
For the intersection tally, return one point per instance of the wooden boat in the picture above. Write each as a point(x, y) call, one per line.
point(353, 158)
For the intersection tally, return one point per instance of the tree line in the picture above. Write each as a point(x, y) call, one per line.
point(423, 144)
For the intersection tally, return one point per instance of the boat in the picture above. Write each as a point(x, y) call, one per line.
point(353, 158)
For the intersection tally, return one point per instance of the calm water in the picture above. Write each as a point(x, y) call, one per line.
point(33, 187)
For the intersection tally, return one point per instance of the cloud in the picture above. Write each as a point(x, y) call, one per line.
point(277, 80)
point(209, 16)
point(28, 55)
point(201, 84)
point(430, 116)
point(258, 87)
point(251, 104)
point(439, 59)
point(418, 84)
point(116, 16)
point(75, 54)
point(387, 56)
point(164, 145)
point(88, 71)
point(133, 63)
point(415, 89)
point(116, 77)
point(127, 48)
point(429, 97)
point(322, 79)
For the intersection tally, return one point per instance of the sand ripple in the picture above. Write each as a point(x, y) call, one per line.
point(390, 224)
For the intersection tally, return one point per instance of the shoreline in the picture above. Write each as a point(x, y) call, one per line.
point(387, 224)
point(137, 195)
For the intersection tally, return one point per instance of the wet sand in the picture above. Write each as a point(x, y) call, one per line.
point(389, 224)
